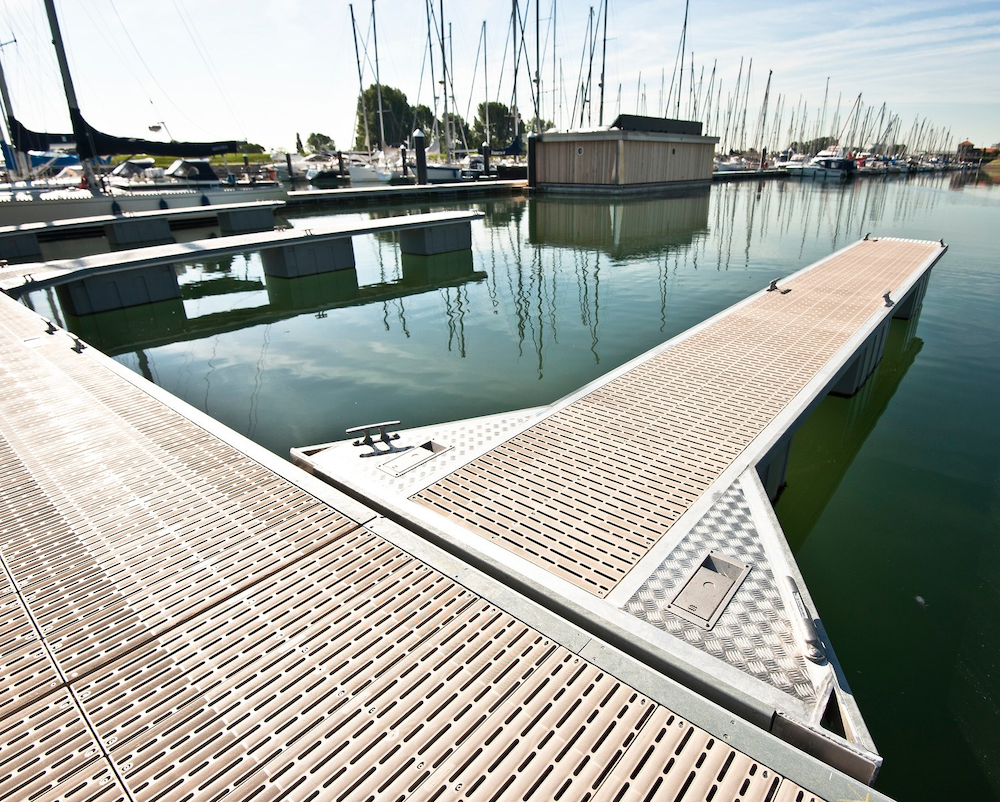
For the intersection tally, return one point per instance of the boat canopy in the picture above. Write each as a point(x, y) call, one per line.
point(25, 139)
point(91, 143)
point(133, 167)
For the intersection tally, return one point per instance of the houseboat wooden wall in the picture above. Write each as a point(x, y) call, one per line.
point(579, 161)
point(651, 162)
point(622, 160)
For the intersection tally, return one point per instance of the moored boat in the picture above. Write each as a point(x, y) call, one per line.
point(826, 164)
point(189, 181)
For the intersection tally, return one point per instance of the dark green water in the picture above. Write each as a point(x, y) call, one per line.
point(892, 505)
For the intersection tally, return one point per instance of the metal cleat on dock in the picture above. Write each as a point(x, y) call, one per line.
point(384, 437)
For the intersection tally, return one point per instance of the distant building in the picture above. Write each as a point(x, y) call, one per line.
point(967, 152)
point(635, 155)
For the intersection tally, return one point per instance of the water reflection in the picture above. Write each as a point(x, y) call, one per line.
point(555, 292)
point(833, 435)
point(151, 325)
point(621, 228)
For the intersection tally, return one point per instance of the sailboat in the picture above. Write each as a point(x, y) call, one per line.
point(94, 196)
point(833, 162)
point(441, 167)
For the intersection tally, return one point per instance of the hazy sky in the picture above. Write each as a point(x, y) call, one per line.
point(264, 70)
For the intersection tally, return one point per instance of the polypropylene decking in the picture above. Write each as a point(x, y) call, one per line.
point(638, 507)
point(182, 621)
point(587, 491)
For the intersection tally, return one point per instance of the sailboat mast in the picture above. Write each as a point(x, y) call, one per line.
point(361, 81)
point(538, 68)
point(444, 78)
point(556, 84)
point(680, 83)
point(604, 53)
point(486, 88)
point(378, 83)
point(763, 121)
point(514, 17)
point(74, 107)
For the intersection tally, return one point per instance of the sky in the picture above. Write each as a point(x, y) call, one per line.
point(266, 70)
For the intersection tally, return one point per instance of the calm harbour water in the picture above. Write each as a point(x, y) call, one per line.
point(893, 498)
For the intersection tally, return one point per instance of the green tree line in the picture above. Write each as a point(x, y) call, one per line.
point(400, 120)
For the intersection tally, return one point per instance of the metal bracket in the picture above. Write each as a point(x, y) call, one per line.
point(384, 437)
point(813, 645)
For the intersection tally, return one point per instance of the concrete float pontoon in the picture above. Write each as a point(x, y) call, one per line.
point(146, 275)
point(639, 507)
point(135, 229)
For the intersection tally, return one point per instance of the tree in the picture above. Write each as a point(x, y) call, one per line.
point(320, 143)
point(396, 113)
point(298, 145)
point(252, 147)
point(423, 118)
point(815, 145)
point(502, 125)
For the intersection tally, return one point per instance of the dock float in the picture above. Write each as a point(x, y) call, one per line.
point(406, 193)
point(187, 616)
point(638, 507)
point(130, 229)
point(144, 275)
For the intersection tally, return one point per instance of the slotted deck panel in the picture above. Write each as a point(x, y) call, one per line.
point(137, 534)
point(182, 623)
point(48, 753)
point(588, 490)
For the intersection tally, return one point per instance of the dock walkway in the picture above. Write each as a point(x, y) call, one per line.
point(17, 279)
point(406, 193)
point(187, 616)
point(60, 227)
point(638, 507)
point(134, 229)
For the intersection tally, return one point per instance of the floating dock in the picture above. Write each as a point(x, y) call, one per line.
point(133, 229)
point(145, 275)
point(638, 508)
point(187, 616)
point(405, 193)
